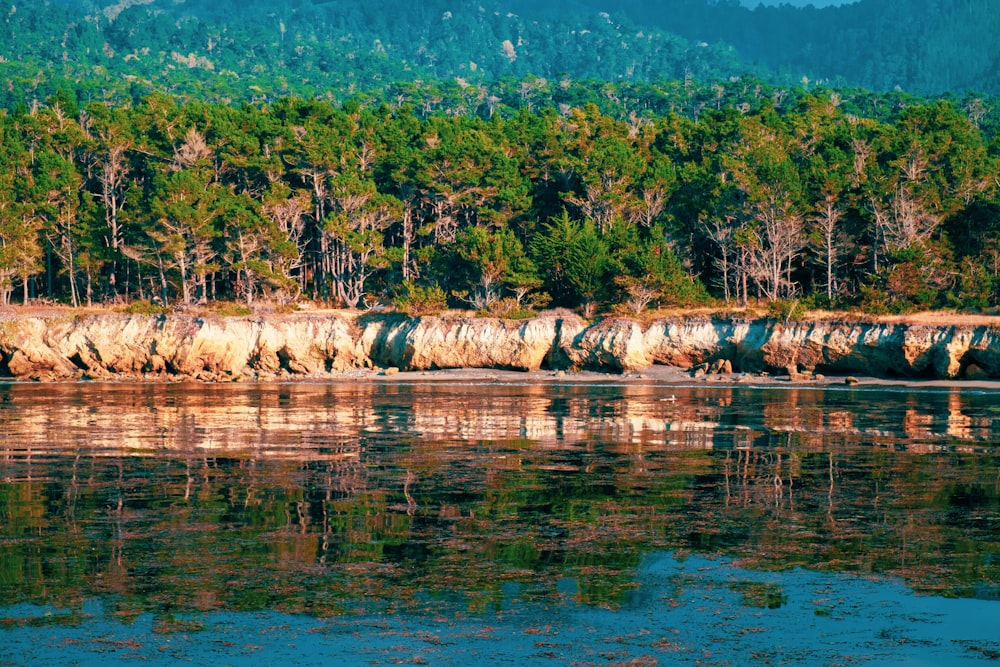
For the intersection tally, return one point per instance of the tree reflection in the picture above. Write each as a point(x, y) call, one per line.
point(322, 498)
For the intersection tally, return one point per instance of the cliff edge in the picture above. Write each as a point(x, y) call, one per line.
point(61, 347)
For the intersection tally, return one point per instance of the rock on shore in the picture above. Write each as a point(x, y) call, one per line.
point(219, 348)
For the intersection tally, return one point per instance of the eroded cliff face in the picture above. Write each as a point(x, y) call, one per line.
point(218, 348)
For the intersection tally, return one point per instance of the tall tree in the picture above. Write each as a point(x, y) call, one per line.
point(186, 214)
point(108, 153)
point(20, 251)
point(574, 261)
point(356, 227)
point(822, 150)
point(768, 180)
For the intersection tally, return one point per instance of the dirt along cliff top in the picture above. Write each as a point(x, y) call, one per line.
point(49, 343)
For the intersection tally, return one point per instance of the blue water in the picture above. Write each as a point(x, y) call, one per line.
point(681, 612)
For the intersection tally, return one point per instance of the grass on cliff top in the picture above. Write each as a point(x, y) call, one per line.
point(230, 309)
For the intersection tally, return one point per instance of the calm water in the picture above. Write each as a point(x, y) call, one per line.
point(379, 523)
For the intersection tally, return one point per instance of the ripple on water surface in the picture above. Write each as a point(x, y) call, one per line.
point(548, 524)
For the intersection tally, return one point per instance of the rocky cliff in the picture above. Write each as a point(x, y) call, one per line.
point(219, 348)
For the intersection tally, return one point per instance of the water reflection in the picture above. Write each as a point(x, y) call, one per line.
point(320, 497)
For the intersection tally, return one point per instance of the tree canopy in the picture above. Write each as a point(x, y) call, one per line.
point(190, 202)
point(501, 156)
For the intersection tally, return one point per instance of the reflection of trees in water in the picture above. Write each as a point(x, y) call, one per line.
point(310, 421)
point(377, 492)
point(759, 478)
point(865, 510)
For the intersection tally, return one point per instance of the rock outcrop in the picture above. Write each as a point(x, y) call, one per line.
point(221, 348)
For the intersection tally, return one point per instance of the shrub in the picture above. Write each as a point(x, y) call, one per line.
point(416, 300)
point(508, 308)
point(144, 307)
point(977, 287)
point(785, 310)
point(230, 309)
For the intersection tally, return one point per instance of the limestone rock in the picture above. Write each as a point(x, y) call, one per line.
point(222, 348)
point(615, 344)
point(434, 342)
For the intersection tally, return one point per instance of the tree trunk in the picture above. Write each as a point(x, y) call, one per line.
point(185, 289)
point(407, 240)
point(829, 267)
point(74, 297)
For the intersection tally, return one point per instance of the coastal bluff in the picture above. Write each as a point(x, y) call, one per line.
point(217, 348)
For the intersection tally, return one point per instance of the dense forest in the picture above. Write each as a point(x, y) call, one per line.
point(358, 154)
point(258, 51)
point(192, 202)
point(920, 46)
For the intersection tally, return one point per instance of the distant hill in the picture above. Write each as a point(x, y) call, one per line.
point(262, 49)
point(919, 46)
point(250, 49)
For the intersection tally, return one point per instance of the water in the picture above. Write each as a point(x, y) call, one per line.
point(379, 523)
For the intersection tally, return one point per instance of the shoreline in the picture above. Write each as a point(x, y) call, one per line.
point(661, 376)
point(667, 376)
point(656, 376)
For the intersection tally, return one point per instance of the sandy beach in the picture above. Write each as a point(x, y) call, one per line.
point(666, 376)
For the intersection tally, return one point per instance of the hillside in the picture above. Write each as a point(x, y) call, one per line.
point(920, 46)
point(265, 50)
point(258, 51)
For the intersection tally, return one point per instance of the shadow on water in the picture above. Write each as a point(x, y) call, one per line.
point(171, 509)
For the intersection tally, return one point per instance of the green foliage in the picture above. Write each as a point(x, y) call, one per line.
point(418, 300)
point(145, 307)
point(575, 261)
point(913, 281)
point(690, 56)
point(258, 51)
point(230, 309)
point(482, 265)
point(198, 202)
point(862, 44)
point(785, 310)
point(818, 301)
point(978, 289)
point(648, 271)
point(509, 308)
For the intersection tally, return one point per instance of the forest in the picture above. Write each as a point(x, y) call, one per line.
point(118, 51)
point(179, 153)
point(180, 203)
point(929, 47)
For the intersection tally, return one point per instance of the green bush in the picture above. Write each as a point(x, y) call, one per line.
point(144, 307)
point(977, 288)
point(507, 309)
point(416, 300)
point(230, 309)
point(785, 310)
